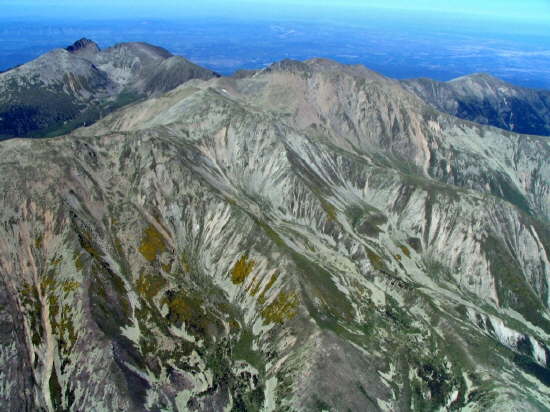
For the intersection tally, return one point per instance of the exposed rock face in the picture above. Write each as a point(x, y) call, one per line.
point(306, 237)
point(84, 47)
point(67, 88)
point(487, 100)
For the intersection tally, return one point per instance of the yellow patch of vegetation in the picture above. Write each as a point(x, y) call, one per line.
point(118, 246)
point(33, 309)
point(405, 250)
point(243, 267)
point(152, 243)
point(63, 326)
point(60, 315)
point(50, 285)
point(87, 245)
point(283, 308)
point(56, 260)
point(78, 262)
point(69, 286)
point(47, 283)
point(27, 291)
point(179, 307)
point(329, 209)
point(53, 302)
point(234, 325)
point(148, 286)
point(185, 263)
point(188, 309)
point(376, 260)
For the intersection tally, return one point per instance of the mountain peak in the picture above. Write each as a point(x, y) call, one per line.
point(478, 78)
point(83, 46)
point(328, 65)
point(289, 65)
point(143, 49)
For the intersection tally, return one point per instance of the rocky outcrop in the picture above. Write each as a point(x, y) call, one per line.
point(84, 47)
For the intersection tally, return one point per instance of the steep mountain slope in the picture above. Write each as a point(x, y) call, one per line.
point(67, 88)
point(487, 100)
point(306, 237)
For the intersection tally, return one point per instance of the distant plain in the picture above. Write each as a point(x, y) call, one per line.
point(398, 45)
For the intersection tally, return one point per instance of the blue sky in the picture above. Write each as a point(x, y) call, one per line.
point(518, 10)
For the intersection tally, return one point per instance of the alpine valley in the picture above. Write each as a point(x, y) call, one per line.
point(310, 236)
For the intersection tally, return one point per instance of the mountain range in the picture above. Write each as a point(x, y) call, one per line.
point(485, 99)
point(310, 236)
point(68, 88)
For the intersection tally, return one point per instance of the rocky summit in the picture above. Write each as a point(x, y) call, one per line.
point(306, 237)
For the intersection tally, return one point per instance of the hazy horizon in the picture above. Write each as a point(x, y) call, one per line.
point(526, 11)
point(441, 40)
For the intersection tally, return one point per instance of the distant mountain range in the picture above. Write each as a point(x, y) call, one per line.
point(485, 99)
point(306, 237)
point(68, 88)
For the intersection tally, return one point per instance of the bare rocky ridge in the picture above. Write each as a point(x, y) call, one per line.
point(306, 237)
point(84, 47)
point(488, 100)
point(68, 88)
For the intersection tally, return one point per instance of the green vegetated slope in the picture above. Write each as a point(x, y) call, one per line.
point(310, 237)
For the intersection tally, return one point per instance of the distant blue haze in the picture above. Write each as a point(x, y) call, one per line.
point(399, 38)
point(517, 10)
